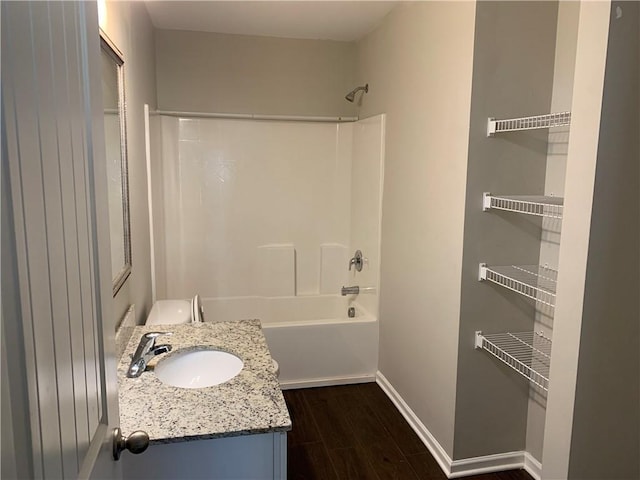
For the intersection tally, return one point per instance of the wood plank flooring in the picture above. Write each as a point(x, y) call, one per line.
point(355, 432)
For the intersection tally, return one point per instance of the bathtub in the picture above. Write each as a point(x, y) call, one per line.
point(311, 337)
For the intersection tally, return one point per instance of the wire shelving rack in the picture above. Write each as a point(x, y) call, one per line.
point(548, 120)
point(528, 353)
point(532, 281)
point(539, 205)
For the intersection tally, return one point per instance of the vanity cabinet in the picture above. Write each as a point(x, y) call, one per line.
point(235, 430)
point(256, 457)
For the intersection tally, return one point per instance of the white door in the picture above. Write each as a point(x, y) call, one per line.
point(57, 302)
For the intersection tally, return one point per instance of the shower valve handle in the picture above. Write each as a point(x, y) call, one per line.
point(357, 261)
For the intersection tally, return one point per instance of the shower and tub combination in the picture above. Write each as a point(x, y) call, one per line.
point(262, 219)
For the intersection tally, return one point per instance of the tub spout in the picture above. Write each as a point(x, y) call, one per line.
point(350, 290)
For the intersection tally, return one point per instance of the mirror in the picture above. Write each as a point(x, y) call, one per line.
point(116, 155)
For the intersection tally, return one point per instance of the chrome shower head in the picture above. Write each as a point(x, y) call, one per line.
point(352, 94)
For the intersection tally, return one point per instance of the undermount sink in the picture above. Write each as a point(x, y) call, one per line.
point(198, 368)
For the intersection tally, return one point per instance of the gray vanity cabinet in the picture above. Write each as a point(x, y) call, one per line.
point(256, 457)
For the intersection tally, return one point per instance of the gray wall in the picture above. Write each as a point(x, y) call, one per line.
point(512, 77)
point(129, 27)
point(209, 72)
point(418, 65)
point(606, 423)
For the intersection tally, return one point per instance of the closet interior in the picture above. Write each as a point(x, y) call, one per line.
point(520, 121)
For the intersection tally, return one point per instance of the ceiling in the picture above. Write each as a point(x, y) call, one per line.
point(312, 19)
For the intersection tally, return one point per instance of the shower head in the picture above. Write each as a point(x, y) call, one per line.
point(352, 94)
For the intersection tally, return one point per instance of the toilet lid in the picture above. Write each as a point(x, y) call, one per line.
point(196, 310)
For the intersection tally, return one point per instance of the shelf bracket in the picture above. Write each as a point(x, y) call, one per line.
point(486, 201)
point(482, 272)
point(478, 342)
point(491, 126)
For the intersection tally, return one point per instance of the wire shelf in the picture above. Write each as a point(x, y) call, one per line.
point(532, 281)
point(528, 353)
point(539, 205)
point(548, 120)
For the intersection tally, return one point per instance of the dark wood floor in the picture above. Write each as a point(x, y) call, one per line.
point(355, 432)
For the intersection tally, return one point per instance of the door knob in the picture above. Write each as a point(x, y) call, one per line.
point(136, 443)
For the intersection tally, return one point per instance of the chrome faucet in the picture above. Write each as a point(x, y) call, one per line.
point(147, 349)
point(350, 290)
point(357, 261)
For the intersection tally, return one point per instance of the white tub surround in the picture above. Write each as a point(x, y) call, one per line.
point(276, 272)
point(333, 272)
point(222, 232)
point(250, 403)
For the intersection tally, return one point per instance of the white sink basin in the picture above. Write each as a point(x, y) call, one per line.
point(198, 368)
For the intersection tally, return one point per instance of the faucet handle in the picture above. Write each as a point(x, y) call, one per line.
point(150, 335)
point(147, 342)
point(357, 261)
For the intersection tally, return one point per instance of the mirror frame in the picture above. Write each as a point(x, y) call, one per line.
point(107, 46)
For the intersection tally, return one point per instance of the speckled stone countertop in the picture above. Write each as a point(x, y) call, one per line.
point(249, 403)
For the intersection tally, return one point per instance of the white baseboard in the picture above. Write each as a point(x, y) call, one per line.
point(326, 382)
point(532, 466)
point(425, 435)
point(466, 466)
point(486, 464)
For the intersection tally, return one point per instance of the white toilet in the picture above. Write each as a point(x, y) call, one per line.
point(174, 312)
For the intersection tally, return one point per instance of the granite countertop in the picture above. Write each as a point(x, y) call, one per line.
point(249, 403)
